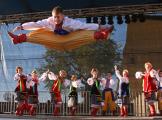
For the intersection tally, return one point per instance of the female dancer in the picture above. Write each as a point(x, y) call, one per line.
point(58, 82)
point(123, 91)
point(96, 98)
point(33, 92)
point(149, 86)
point(21, 91)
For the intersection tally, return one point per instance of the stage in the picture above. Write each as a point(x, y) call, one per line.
point(49, 117)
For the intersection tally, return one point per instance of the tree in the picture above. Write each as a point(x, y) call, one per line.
point(101, 55)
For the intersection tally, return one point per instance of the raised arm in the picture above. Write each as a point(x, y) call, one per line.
point(29, 77)
point(16, 77)
point(43, 77)
point(139, 75)
point(52, 76)
point(117, 72)
point(77, 84)
point(34, 25)
point(78, 25)
point(90, 81)
point(48, 74)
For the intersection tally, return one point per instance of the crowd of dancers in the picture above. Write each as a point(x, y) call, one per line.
point(102, 92)
point(62, 33)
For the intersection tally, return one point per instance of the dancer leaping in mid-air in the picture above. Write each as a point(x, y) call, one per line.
point(60, 32)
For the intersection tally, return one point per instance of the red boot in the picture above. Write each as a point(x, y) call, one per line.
point(152, 110)
point(160, 112)
point(56, 111)
point(32, 111)
point(23, 107)
point(125, 111)
point(94, 111)
point(17, 38)
point(113, 113)
point(103, 34)
point(72, 111)
point(28, 107)
point(18, 111)
point(122, 111)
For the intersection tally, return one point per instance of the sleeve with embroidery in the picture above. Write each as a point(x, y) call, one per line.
point(78, 25)
point(36, 25)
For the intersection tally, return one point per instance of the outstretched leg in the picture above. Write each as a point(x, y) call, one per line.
point(17, 38)
point(62, 42)
point(103, 33)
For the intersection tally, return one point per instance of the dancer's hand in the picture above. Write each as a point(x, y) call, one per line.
point(17, 28)
point(115, 67)
point(48, 71)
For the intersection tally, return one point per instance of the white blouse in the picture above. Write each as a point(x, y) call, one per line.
point(68, 25)
point(121, 80)
point(77, 83)
point(53, 76)
point(112, 83)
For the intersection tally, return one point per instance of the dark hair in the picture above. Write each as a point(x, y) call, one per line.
point(94, 70)
point(57, 10)
point(109, 73)
point(18, 68)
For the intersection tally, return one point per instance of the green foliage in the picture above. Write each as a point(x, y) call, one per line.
point(102, 55)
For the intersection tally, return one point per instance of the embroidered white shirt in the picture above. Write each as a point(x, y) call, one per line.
point(68, 25)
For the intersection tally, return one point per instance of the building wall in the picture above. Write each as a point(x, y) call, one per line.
point(144, 43)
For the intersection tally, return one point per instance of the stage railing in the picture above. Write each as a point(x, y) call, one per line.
point(137, 106)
